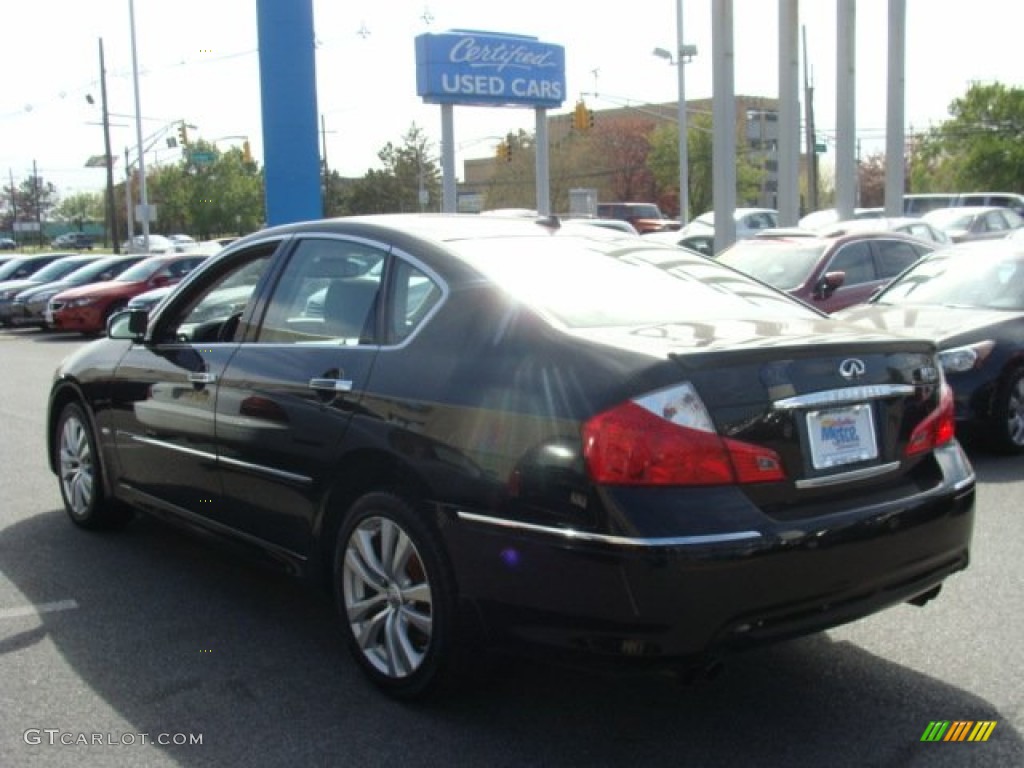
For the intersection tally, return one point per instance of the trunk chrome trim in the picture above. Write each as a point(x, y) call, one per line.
point(848, 477)
point(619, 541)
point(845, 395)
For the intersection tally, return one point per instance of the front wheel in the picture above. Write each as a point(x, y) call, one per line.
point(1008, 415)
point(78, 467)
point(395, 594)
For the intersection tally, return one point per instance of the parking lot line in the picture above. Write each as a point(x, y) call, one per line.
point(32, 610)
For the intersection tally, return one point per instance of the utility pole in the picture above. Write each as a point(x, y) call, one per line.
point(812, 153)
point(111, 214)
point(35, 194)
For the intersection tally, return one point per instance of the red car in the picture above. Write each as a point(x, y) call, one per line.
point(86, 309)
point(828, 273)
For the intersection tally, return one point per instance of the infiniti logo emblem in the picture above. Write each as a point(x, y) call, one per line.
point(852, 368)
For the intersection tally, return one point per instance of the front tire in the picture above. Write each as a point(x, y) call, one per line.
point(80, 473)
point(395, 593)
point(1008, 415)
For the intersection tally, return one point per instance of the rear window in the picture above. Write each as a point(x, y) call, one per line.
point(587, 284)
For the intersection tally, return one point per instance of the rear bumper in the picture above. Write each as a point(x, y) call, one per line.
point(681, 597)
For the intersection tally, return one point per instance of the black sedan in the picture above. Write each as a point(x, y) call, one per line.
point(502, 429)
point(969, 298)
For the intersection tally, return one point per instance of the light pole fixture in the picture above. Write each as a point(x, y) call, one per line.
point(684, 53)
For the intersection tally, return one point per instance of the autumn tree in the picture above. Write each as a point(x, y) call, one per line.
point(871, 181)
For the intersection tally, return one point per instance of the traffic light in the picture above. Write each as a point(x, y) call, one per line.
point(509, 142)
point(581, 117)
point(183, 134)
point(246, 151)
point(502, 152)
point(590, 118)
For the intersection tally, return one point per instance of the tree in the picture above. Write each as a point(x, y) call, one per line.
point(514, 182)
point(81, 207)
point(32, 200)
point(981, 146)
point(409, 181)
point(871, 181)
point(664, 164)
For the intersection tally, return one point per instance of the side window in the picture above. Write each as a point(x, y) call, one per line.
point(996, 222)
point(855, 260)
point(213, 314)
point(415, 294)
point(327, 292)
point(894, 256)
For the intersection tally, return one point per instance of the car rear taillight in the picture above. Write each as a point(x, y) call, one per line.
point(668, 438)
point(937, 428)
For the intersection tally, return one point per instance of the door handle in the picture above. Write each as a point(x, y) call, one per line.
point(202, 378)
point(331, 385)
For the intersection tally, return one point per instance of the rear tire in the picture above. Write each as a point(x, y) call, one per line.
point(395, 593)
point(80, 474)
point(1008, 415)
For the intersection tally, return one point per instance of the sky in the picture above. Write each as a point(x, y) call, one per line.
point(198, 62)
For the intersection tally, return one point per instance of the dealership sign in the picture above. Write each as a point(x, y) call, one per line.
point(489, 68)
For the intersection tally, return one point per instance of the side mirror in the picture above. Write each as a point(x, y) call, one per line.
point(128, 324)
point(828, 284)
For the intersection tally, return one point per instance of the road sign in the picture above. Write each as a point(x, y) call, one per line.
point(201, 158)
point(820, 147)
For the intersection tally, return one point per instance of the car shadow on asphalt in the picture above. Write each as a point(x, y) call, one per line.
point(176, 634)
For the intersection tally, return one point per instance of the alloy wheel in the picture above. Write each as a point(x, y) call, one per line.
point(388, 598)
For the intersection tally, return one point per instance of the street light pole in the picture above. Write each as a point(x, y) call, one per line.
point(683, 54)
point(684, 160)
point(143, 199)
point(111, 213)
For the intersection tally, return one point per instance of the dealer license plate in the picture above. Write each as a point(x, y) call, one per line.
point(841, 436)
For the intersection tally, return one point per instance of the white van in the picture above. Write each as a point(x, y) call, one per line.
point(920, 204)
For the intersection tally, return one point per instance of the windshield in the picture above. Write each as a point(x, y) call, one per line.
point(55, 270)
point(103, 269)
point(951, 219)
point(141, 271)
point(10, 267)
point(781, 264)
point(589, 284)
point(963, 279)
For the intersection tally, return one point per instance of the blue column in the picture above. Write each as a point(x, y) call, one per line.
point(291, 156)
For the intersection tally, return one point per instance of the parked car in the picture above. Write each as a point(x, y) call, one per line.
point(828, 272)
point(29, 306)
point(182, 242)
point(974, 223)
point(829, 216)
point(21, 267)
point(79, 240)
point(55, 270)
point(503, 429)
point(645, 217)
point(87, 308)
point(7, 244)
point(908, 225)
point(749, 221)
point(920, 204)
point(969, 299)
point(702, 244)
point(157, 244)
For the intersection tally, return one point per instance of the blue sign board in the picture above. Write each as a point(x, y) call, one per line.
point(489, 68)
